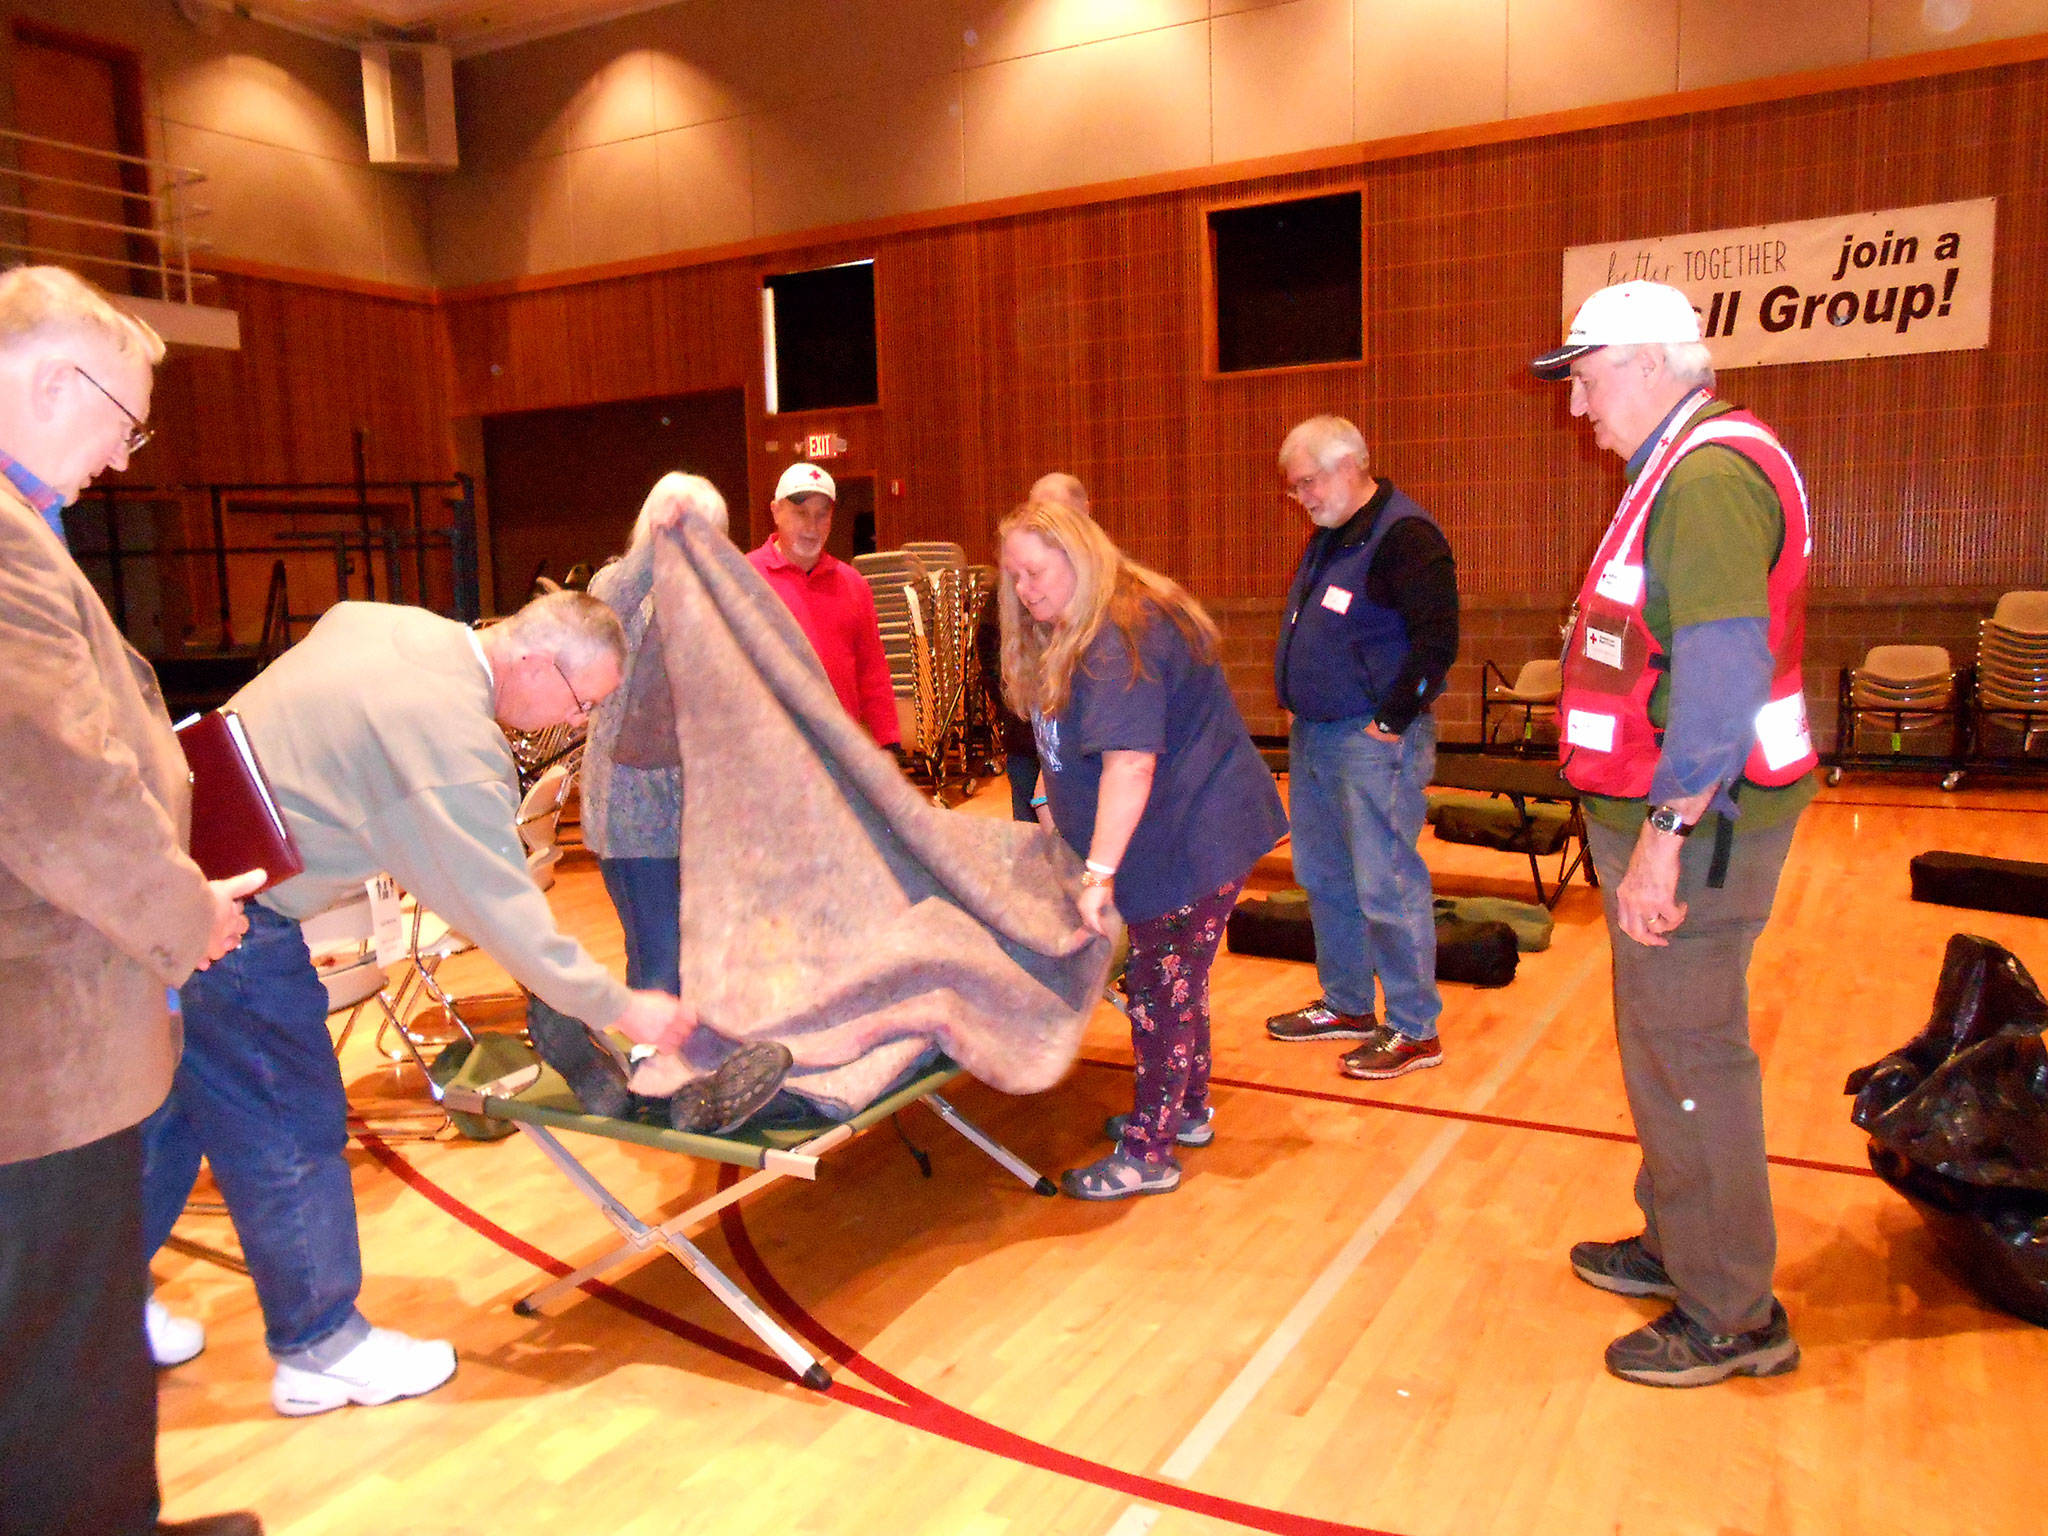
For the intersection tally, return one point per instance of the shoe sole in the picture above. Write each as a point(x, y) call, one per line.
point(1380, 1075)
point(733, 1094)
point(1321, 1034)
point(591, 1071)
point(307, 1407)
point(1620, 1285)
point(1774, 1361)
point(1122, 1194)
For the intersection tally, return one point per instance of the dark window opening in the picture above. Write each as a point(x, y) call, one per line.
point(821, 338)
point(1290, 283)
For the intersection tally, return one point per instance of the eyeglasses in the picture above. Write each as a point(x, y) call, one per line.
point(1298, 488)
point(138, 434)
point(583, 707)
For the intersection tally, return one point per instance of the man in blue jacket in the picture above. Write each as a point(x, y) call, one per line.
point(1368, 634)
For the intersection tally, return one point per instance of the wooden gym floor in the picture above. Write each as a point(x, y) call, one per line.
point(1354, 1315)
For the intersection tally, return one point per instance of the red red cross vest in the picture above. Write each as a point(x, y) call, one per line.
point(1606, 742)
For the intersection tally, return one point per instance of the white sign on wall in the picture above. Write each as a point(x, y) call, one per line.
point(1863, 285)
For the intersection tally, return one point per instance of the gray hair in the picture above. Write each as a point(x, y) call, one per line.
point(1325, 439)
point(44, 303)
point(573, 628)
point(1687, 362)
point(699, 498)
point(1059, 486)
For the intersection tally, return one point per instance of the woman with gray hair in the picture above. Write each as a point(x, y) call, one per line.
point(632, 783)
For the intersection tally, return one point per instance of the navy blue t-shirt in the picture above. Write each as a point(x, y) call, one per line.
point(1213, 811)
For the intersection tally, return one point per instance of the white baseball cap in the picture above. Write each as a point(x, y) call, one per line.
point(805, 480)
point(1625, 315)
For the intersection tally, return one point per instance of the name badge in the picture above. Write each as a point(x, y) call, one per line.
point(1621, 583)
point(387, 919)
point(1336, 599)
point(1782, 732)
point(1603, 647)
point(1583, 728)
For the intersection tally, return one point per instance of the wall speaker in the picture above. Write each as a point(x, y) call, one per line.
point(409, 105)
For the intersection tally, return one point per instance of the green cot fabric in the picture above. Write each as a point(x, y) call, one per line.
point(549, 1102)
point(1532, 924)
point(1491, 821)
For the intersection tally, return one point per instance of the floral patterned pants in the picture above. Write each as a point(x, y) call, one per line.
point(1167, 980)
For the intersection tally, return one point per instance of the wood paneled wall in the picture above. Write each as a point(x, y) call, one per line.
point(318, 361)
point(1071, 338)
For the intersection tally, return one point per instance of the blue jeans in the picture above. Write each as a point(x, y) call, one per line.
point(258, 1092)
point(1357, 807)
point(648, 894)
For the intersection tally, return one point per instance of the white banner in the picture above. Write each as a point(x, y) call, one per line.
point(1863, 285)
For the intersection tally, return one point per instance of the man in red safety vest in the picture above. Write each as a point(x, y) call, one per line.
point(1682, 708)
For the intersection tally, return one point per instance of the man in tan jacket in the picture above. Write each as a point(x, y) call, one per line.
point(100, 912)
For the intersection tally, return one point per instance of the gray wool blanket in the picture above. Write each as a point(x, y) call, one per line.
point(826, 902)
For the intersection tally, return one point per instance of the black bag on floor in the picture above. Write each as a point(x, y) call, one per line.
point(1278, 928)
point(1958, 1123)
point(1986, 885)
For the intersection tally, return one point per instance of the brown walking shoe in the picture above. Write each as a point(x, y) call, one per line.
point(1389, 1053)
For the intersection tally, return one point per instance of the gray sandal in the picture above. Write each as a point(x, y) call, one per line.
point(1117, 1177)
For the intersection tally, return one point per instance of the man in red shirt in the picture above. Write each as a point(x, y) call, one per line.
point(829, 599)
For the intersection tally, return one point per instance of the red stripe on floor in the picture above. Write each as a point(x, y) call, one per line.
point(917, 1409)
point(1433, 1112)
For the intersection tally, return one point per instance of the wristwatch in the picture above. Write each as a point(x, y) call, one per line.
point(1665, 819)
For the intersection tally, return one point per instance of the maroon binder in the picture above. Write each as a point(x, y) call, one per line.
point(236, 822)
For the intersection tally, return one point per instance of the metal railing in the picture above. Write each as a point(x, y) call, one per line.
point(388, 547)
point(165, 231)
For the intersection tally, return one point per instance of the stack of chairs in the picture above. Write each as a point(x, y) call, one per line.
point(929, 604)
point(902, 591)
point(983, 725)
point(1902, 708)
point(2011, 714)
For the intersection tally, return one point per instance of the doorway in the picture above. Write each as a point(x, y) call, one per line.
point(564, 485)
point(87, 96)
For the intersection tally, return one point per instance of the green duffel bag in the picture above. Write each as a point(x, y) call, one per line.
point(1532, 924)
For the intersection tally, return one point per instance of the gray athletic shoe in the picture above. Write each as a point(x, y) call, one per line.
point(1625, 1268)
point(1316, 1022)
point(1675, 1351)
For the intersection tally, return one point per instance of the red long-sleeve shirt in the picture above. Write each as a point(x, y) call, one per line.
point(836, 611)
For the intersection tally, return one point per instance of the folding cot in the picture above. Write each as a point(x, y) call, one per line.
point(540, 1104)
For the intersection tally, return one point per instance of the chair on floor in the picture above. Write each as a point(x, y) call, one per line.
point(343, 943)
point(1532, 696)
point(540, 814)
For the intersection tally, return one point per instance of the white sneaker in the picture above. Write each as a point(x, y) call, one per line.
point(385, 1366)
point(172, 1340)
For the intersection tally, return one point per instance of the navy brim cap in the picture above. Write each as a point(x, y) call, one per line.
point(1556, 364)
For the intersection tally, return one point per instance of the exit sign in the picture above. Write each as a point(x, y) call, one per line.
point(823, 445)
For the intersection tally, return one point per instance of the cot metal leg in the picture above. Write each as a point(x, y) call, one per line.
point(1025, 1174)
point(640, 1238)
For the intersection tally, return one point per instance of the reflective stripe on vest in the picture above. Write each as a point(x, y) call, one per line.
point(1607, 744)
